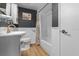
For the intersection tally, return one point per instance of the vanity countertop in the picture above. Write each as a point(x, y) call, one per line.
point(12, 33)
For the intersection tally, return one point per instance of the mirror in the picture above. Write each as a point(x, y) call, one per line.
point(3, 8)
point(3, 15)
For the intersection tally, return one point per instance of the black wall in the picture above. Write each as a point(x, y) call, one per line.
point(3, 5)
point(54, 14)
point(27, 23)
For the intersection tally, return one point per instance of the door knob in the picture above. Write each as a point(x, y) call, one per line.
point(65, 32)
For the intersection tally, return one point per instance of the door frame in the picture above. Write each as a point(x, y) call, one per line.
point(59, 21)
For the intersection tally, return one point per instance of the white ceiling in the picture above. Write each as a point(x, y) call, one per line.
point(35, 6)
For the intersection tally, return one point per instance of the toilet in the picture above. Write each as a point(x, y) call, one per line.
point(25, 43)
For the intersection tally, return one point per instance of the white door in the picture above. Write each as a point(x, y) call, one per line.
point(69, 17)
point(46, 20)
point(45, 28)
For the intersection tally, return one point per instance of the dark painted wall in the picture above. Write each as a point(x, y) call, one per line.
point(27, 23)
point(54, 14)
point(3, 5)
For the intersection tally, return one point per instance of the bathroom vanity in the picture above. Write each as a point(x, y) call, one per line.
point(10, 43)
